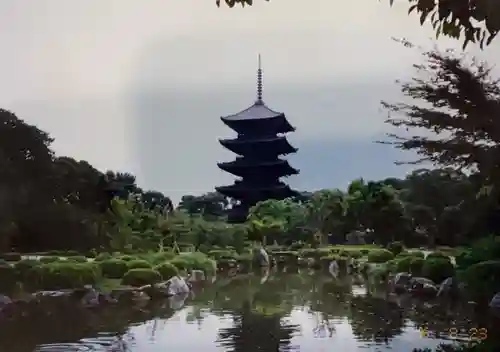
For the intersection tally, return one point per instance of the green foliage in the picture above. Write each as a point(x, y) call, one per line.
point(138, 264)
point(353, 253)
point(483, 279)
point(158, 258)
point(395, 247)
point(416, 266)
point(438, 255)
point(484, 249)
point(46, 260)
point(141, 277)
point(438, 269)
point(127, 257)
point(167, 270)
point(195, 261)
point(218, 254)
point(102, 256)
point(113, 268)
point(404, 264)
point(63, 275)
point(380, 256)
point(78, 259)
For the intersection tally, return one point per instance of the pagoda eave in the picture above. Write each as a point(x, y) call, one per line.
point(277, 170)
point(263, 146)
point(277, 124)
point(236, 191)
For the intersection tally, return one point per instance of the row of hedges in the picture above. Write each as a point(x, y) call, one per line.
point(435, 267)
point(53, 273)
point(153, 267)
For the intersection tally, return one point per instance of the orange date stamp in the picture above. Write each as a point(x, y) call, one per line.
point(472, 334)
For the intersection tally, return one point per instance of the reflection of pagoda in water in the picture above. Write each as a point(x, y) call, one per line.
point(259, 145)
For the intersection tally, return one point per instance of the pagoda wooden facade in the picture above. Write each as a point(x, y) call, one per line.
point(260, 145)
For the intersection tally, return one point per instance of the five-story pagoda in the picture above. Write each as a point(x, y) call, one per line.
point(260, 143)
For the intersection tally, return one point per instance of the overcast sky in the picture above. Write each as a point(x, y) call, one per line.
point(139, 85)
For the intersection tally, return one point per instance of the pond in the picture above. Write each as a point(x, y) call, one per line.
point(265, 312)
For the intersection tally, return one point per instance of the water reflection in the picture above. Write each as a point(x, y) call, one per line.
point(306, 312)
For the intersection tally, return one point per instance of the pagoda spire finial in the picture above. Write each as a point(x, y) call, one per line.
point(259, 82)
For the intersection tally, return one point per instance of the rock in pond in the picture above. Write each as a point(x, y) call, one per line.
point(5, 300)
point(177, 302)
point(401, 282)
point(449, 288)
point(177, 285)
point(422, 286)
point(333, 268)
point(495, 302)
point(261, 257)
point(91, 297)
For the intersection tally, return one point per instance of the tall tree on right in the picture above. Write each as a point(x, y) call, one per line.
point(454, 117)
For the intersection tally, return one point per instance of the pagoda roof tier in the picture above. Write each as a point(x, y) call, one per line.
point(245, 167)
point(259, 146)
point(244, 191)
point(257, 118)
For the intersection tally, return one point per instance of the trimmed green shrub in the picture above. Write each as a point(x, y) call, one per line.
point(354, 253)
point(380, 256)
point(23, 266)
point(46, 260)
point(195, 261)
point(438, 255)
point(403, 264)
point(485, 249)
point(126, 257)
point(416, 266)
point(395, 247)
point(102, 256)
point(365, 251)
point(78, 259)
point(391, 265)
point(161, 257)
point(113, 268)
point(167, 270)
point(139, 264)
point(437, 269)
point(61, 275)
point(11, 257)
point(483, 279)
point(141, 277)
